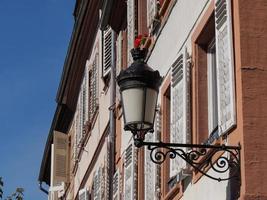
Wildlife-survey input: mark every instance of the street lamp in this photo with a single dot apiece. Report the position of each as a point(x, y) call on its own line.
point(139, 86)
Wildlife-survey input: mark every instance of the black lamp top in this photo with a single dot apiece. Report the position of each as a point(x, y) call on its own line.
point(139, 73)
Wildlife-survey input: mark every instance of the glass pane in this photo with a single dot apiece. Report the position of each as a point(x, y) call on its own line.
point(133, 104)
point(151, 101)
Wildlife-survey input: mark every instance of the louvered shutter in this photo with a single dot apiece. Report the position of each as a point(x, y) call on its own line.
point(225, 65)
point(118, 60)
point(157, 132)
point(180, 110)
point(60, 158)
point(98, 184)
point(76, 136)
point(116, 185)
point(151, 12)
point(93, 87)
point(107, 51)
point(83, 194)
point(85, 95)
point(53, 195)
point(130, 27)
point(151, 169)
point(130, 173)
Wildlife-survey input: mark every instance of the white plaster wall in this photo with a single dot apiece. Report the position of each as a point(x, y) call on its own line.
point(176, 33)
point(207, 189)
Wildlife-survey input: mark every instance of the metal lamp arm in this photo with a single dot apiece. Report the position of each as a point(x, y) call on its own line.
point(199, 156)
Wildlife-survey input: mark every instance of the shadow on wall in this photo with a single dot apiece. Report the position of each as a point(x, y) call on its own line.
point(233, 187)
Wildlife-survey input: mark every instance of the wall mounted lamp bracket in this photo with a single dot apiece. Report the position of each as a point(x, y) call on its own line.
point(201, 157)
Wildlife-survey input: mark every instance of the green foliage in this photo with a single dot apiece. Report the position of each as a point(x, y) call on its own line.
point(17, 195)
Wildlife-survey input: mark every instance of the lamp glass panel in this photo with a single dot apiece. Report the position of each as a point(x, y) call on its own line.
point(133, 101)
point(151, 101)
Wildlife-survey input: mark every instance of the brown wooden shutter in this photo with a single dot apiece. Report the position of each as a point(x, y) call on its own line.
point(60, 158)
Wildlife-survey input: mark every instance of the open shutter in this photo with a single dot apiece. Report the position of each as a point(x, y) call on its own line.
point(107, 51)
point(151, 169)
point(225, 66)
point(130, 27)
point(118, 60)
point(98, 184)
point(53, 195)
point(76, 136)
point(157, 132)
point(151, 12)
point(130, 173)
point(180, 110)
point(83, 194)
point(60, 158)
point(116, 185)
point(93, 86)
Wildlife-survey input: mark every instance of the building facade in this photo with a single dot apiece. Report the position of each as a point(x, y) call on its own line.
point(212, 56)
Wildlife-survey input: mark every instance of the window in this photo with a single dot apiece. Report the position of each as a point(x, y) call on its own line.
point(212, 89)
point(213, 94)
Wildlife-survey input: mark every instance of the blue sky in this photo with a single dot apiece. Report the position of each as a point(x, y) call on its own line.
point(34, 36)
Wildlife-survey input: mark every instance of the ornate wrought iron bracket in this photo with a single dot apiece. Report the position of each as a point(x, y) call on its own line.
point(220, 158)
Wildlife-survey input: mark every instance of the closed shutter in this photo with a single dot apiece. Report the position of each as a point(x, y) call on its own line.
point(130, 27)
point(151, 169)
point(151, 12)
point(180, 109)
point(60, 158)
point(130, 173)
point(116, 185)
point(83, 194)
point(107, 51)
point(225, 66)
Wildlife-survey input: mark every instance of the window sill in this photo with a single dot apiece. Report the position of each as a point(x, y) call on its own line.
point(175, 193)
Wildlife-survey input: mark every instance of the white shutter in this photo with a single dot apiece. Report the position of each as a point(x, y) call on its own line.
point(93, 84)
point(83, 194)
point(53, 195)
point(76, 136)
point(98, 184)
point(119, 53)
point(151, 12)
point(151, 169)
point(60, 158)
point(130, 27)
point(107, 51)
point(116, 185)
point(130, 173)
point(180, 110)
point(225, 66)
point(118, 60)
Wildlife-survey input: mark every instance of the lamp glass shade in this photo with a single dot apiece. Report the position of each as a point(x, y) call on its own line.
point(139, 105)
point(133, 100)
point(150, 107)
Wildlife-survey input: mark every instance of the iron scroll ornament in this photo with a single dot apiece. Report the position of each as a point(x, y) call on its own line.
point(200, 157)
